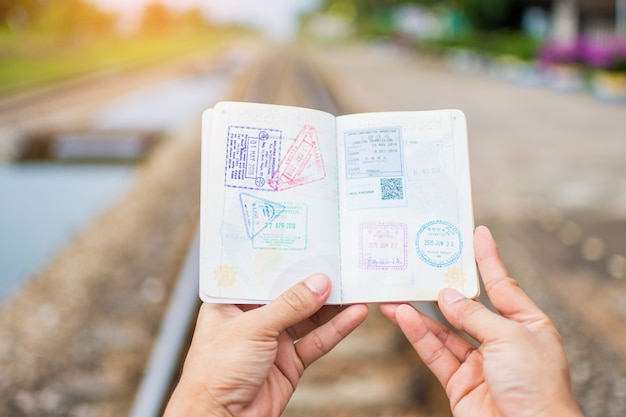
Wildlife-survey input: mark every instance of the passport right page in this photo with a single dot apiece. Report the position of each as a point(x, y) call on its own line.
point(406, 219)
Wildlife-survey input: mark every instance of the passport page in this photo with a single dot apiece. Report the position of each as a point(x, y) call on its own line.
point(268, 200)
point(405, 206)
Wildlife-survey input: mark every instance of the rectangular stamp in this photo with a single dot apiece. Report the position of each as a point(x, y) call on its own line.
point(252, 157)
point(302, 163)
point(383, 246)
point(373, 153)
point(428, 161)
point(288, 231)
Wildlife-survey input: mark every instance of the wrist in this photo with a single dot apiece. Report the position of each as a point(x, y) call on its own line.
point(569, 408)
point(193, 402)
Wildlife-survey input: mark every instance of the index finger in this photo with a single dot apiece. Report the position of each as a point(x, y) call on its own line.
point(503, 291)
point(471, 316)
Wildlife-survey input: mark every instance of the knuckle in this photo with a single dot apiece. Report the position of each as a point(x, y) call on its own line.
point(318, 343)
point(296, 301)
point(435, 355)
point(443, 334)
point(471, 311)
point(468, 311)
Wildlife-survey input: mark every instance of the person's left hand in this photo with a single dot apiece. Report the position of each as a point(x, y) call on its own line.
point(247, 361)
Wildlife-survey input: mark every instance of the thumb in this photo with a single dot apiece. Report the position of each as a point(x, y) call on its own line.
point(470, 316)
point(297, 303)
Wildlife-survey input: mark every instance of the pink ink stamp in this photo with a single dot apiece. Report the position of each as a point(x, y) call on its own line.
point(383, 246)
point(302, 163)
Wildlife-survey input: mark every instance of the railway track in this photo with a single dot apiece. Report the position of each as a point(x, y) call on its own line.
point(69, 106)
point(372, 373)
point(75, 334)
point(587, 305)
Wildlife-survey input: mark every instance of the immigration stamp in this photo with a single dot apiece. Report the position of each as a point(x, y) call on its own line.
point(252, 157)
point(258, 213)
point(383, 246)
point(373, 153)
point(302, 163)
point(439, 243)
point(289, 231)
point(374, 168)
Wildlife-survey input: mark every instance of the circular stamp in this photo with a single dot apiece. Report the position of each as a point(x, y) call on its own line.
point(263, 135)
point(439, 243)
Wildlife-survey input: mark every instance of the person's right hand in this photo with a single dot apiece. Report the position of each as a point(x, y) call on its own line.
point(519, 369)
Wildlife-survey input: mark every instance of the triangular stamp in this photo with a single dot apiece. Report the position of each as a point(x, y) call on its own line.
point(302, 163)
point(258, 213)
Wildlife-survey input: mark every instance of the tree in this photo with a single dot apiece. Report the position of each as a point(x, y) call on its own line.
point(73, 19)
point(483, 14)
point(193, 20)
point(493, 14)
point(65, 18)
point(15, 14)
point(156, 17)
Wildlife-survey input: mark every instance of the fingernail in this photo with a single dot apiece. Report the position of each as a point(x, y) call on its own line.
point(317, 283)
point(451, 296)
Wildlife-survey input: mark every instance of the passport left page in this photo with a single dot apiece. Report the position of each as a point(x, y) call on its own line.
point(269, 210)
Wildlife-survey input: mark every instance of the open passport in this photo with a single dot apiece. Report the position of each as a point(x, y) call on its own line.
point(380, 202)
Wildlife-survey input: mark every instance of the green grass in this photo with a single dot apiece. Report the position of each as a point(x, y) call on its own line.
point(492, 43)
point(32, 62)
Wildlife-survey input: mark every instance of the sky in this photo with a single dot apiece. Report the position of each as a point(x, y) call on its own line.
point(275, 17)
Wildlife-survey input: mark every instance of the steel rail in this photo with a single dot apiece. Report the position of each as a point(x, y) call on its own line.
point(171, 341)
point(162, 370)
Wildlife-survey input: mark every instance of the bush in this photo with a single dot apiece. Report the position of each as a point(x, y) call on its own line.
point(596, 54)
point(493, 43)
point(494, 14)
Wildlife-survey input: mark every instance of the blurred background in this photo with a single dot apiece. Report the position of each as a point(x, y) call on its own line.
point(100, 106)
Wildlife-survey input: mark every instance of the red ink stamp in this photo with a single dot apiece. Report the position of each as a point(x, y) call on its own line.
point(302, 164)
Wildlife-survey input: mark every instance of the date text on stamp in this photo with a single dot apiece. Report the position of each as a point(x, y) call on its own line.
point(372, 153)
point(252, 156)
point(383, 246)
point(439, 243)
point(289, 231)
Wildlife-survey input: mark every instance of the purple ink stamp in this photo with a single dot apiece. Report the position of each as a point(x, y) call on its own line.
point(383, 246)
point(252, 157)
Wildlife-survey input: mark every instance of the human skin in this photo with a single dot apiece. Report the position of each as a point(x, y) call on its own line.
point(247, 360)
point(519, 368)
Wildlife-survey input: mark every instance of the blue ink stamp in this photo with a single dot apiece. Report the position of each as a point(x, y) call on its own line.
point(439, 243)
point(288, 231)
point(258, 213)
point(252, 157)
point(383, 246)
